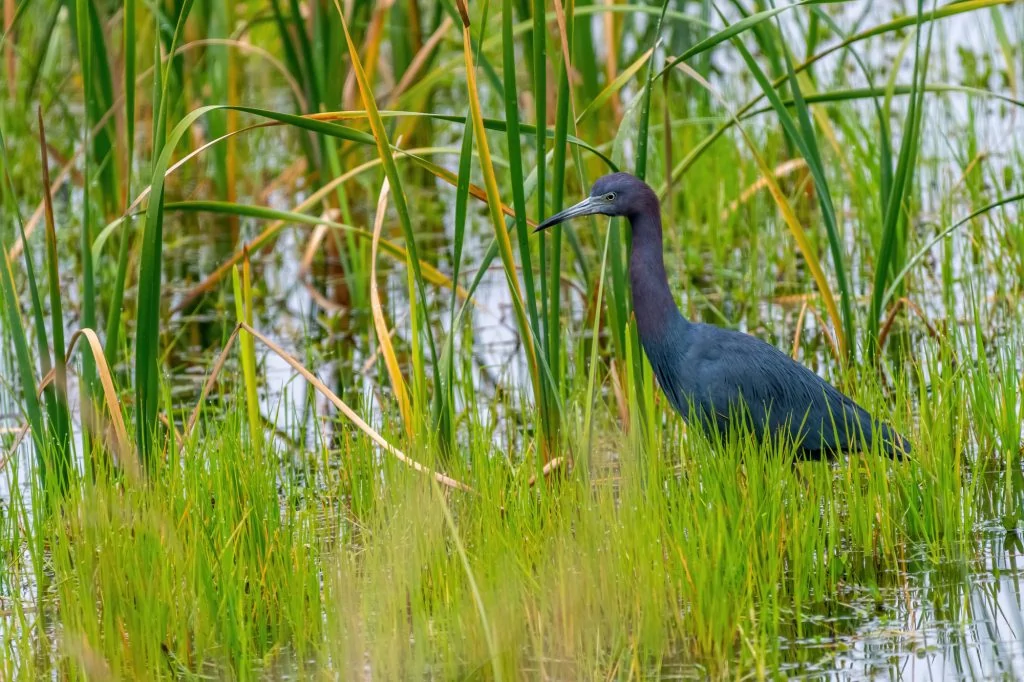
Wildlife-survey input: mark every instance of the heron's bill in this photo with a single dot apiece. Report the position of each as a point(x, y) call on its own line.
point(588, 206)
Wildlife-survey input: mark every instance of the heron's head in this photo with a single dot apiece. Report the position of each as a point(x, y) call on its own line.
point(616, 194)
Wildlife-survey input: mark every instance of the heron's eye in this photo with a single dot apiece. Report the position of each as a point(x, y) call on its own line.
point(610, 196)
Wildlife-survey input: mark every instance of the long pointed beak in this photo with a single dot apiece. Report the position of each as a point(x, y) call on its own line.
point(588, 206)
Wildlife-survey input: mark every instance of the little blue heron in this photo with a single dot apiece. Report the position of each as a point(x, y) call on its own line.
point(717, 374)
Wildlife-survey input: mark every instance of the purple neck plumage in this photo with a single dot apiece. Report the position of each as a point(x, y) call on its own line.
point(652, 299)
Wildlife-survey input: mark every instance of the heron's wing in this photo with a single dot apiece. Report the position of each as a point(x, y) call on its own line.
point(735, 371)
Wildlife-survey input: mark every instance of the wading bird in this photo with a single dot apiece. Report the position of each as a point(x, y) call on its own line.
point(715, 375)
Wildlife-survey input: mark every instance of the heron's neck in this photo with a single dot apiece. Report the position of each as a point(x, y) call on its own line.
point(652, 299)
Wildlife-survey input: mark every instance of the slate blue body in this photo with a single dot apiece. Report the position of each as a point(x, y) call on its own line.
point(712, 375)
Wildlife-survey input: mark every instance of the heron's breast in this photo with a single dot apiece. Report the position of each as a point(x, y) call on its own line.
point(667, 351)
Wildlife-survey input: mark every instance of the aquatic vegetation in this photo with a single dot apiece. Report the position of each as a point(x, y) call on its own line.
point(290, 388)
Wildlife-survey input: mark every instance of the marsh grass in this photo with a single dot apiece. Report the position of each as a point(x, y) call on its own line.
point(568, 525)
point(711, 553)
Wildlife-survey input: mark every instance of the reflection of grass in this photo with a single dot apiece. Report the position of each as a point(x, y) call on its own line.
point(818, 213)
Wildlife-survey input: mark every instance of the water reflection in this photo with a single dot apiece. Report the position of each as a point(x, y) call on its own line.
point(955, 621)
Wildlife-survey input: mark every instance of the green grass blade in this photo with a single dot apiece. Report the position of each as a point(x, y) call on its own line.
point(1006, 47)
point(590, 398)
point(46, 40)
point(461, 204)
point(57, 395)
point(291, 60)
point(16, 328)
point(854, 94)
point(902, 184)
point(515, 159)
point(305, 54)
point(540, 112)
point(247, 350)
point(41, 339)
point(645, 106)
point(552, 346)
point(884, 142)
point(99, 90)
point(147, 342)
point(159, 111)
point(88, 378)
point(444, 401)
point(128, 82)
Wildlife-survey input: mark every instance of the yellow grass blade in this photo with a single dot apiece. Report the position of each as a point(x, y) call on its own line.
point(494, 204)
point(380, 324)
point(353, 417)
point(122, 448)
point(614, 85)
point(247, 350)
point(125, 451)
